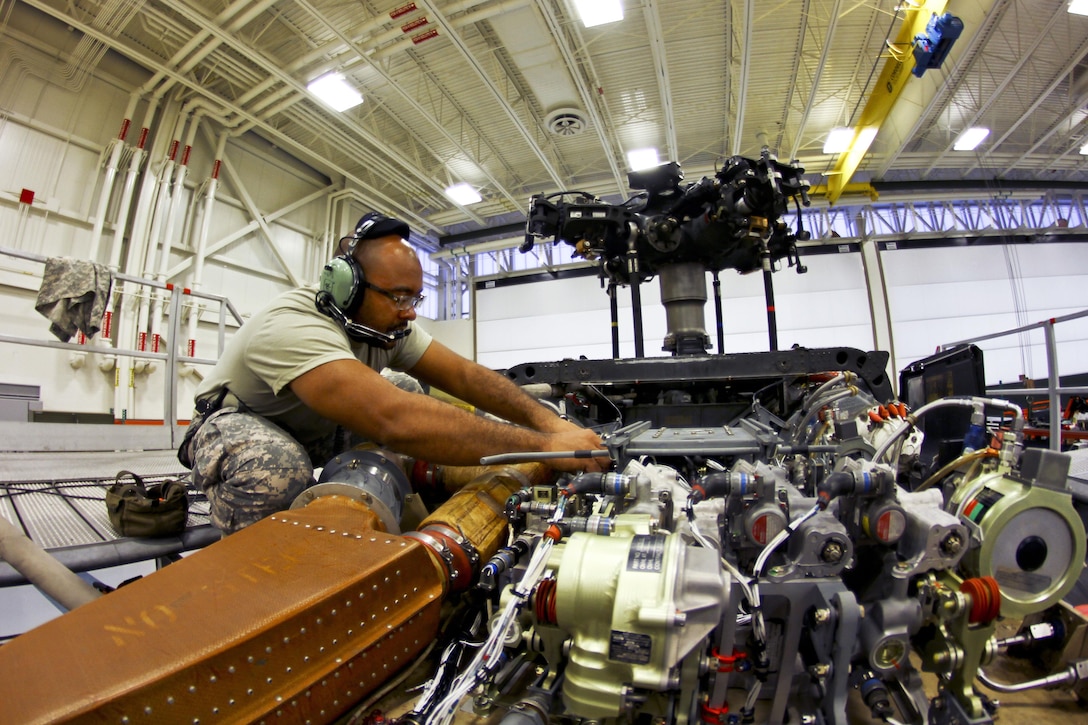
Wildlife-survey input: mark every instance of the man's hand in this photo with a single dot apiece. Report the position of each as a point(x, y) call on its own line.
point(573, 438)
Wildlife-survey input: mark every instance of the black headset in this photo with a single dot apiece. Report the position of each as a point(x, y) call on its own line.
point(343, 283)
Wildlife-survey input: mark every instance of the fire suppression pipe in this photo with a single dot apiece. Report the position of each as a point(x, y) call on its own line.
point(171, 222)
point(202, 241)
point(160, 207)
point(109, 177)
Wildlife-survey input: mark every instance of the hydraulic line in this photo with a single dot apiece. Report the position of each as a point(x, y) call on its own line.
point(966, 458)
point(522, 457)
point(941, 403)
point(1072, 674)
point(813, 411)
point(846, 377)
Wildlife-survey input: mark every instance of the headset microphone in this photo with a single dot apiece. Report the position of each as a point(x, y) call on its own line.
point(355, 331)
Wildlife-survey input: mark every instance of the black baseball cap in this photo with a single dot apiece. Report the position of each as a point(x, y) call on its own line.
point(374, 224)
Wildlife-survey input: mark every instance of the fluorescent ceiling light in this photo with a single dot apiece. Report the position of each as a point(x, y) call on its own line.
point(1084, 150)
point(1078, 7)
point(599, 12)
point(838, 140)
point(335, 91)
point(463, 194)
point(640, 159)
point(841, 139)
point(970, 138)
point(865, 137)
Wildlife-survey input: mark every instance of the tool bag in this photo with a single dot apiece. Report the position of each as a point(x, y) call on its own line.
point(160, 509)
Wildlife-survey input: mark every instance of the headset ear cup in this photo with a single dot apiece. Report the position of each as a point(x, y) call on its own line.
point(343, 279)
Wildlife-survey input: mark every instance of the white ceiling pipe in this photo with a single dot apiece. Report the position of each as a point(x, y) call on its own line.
point(597, 110)
point(299, 150)
point(496, 94)
point(131, 311)
point(161, 205)
point(197, 278)
point(362, 56)
point(742, 87)
point(656, 36)
point(267, 66)
point(1077, 113)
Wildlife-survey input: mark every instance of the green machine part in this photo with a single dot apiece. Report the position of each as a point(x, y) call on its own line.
point(635, 604)
point(1025, 532)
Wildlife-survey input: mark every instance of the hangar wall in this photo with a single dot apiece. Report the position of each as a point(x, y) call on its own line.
point(56, 136)
point(935, 295)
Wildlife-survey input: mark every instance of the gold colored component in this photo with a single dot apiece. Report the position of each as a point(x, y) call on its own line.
point(476, 511)
point(301, 614)
point(454, 478)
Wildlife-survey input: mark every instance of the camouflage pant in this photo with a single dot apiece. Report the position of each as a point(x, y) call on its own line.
point(248, 467)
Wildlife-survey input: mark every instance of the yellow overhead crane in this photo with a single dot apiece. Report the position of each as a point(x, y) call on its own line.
point(893, 78)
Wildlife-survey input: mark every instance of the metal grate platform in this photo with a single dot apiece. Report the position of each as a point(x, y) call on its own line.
point(58, 501)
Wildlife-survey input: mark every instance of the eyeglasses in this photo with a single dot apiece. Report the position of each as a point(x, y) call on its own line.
point(401, 302)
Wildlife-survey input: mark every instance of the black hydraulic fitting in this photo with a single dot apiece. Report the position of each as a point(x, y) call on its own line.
point(514, 502)
point(502, 560)
point(709, 486)
point(608, 484)
point(834, 485)
point(874, 693)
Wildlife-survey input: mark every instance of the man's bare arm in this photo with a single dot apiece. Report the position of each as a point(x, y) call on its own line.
point(420, 426)
point(484, 388)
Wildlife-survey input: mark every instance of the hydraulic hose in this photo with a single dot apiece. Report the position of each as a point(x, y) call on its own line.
point(608, 484)
point(847, 392)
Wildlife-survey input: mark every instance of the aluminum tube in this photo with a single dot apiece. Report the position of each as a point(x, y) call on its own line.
point(117, 553)
point(524, 456)
point(1064, 677)
point(42, 570)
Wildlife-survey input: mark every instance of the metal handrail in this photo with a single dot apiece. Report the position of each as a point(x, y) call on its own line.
point(172, 358)
point(1053, 388)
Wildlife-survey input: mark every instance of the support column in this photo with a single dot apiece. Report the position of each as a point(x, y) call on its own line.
point(877, 291)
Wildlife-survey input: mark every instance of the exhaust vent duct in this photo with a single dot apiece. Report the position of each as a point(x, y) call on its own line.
point(566, 122)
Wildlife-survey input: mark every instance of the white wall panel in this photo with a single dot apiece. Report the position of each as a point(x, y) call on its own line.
point(82, 390)
point(51, 141)
point(566, 318)
point(940, 296)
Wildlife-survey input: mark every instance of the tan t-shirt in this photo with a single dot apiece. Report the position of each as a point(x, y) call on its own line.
point(287, 338)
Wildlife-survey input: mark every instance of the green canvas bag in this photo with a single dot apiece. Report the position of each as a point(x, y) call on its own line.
point(160, 509)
